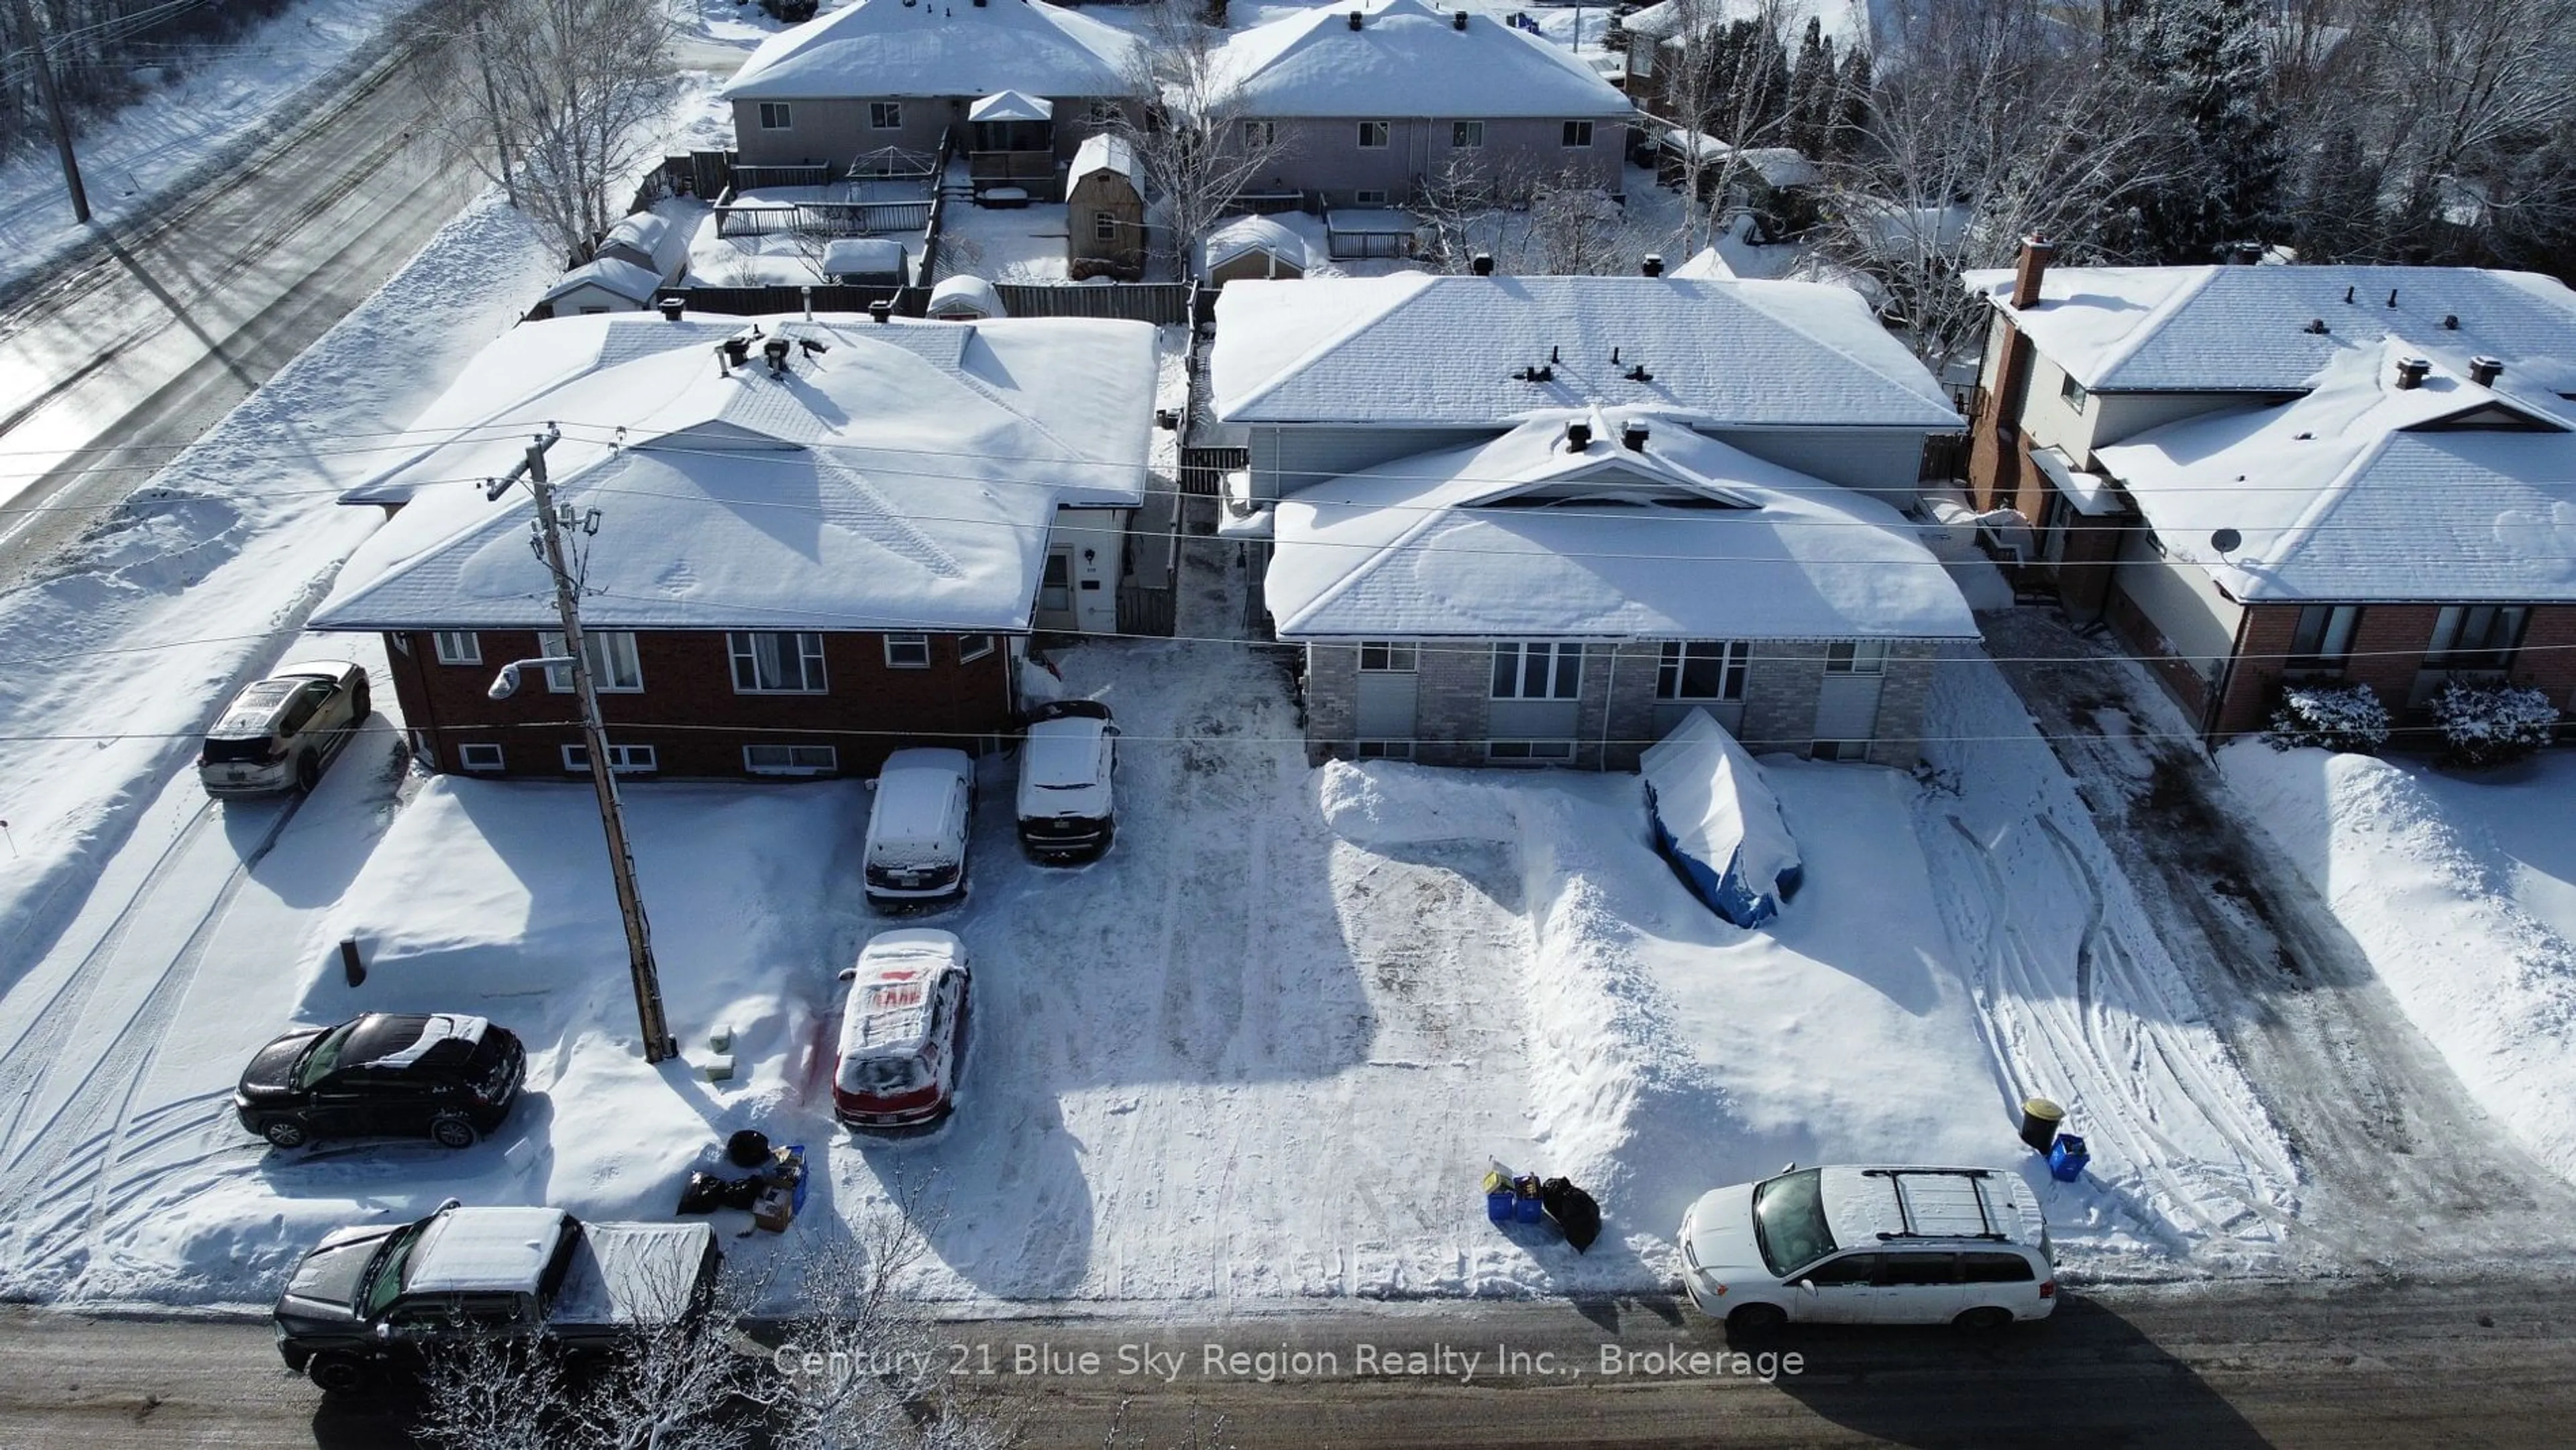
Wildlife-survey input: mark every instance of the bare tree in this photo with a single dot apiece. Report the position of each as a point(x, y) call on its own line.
point(1199, 145)
point(558, 100)
point(1718, 75)
point(494, 1393)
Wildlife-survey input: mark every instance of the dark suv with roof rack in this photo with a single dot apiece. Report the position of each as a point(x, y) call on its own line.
point(438, 1075)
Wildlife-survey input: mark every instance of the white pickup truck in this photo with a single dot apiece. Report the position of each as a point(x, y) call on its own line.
point(372, 1303)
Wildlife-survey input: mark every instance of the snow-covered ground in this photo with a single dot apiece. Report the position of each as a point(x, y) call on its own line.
point(2462, 891)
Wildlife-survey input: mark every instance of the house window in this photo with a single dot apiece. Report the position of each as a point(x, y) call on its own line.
point(2323, 640)
point(1578, 133)
point(622, 759)
point(774, 116)
point(478, 757)
point(1466, 135)
point(1856, 657)
point(1383, 750)
point(1839, 750)
point(1368, 198)
point(1104, 227)
point(885, 115)
point(1527, 751)
point(790, 760)
point(1055, 586)
point(458, 647)
point(1260, 133)
point(1374, 135)
point(613, 666)
point(2476, 636)
point(973, 647)
point(907, 651)
point(774, 663)
point(1386, 655)
point(1537, 670)
point(1702, 669)
point(2072, 391)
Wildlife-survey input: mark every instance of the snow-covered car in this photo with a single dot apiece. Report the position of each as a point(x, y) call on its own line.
point(278, 734)
point(903, 1035)
point(368, 1305)
point(1883, 1245)
point(1067, 770)
point(448, 1077)
point(917, 828)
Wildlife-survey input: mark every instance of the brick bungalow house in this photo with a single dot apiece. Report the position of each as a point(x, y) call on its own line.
point(1568, 592)
point(799, 556)
point(2355, 437)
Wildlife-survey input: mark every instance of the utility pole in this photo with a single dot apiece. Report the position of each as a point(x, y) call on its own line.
point(26, 22)
point(658, 1042)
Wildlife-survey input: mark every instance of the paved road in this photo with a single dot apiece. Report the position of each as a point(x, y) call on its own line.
point(2395, 1363)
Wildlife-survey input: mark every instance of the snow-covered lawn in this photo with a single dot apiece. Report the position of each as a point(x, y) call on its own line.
point(2462, 891)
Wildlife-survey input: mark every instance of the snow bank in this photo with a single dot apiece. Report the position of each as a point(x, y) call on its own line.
point(2412, 871)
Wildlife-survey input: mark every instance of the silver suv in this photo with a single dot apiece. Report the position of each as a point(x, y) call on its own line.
point(279, 733)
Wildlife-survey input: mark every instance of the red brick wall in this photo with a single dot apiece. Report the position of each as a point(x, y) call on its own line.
point(2388, 650)
point(689, 712)
point(1996, 460)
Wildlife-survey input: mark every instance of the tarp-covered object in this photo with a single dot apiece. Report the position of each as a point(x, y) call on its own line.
point(1719, 824)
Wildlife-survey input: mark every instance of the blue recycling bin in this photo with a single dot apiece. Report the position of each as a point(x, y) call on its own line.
point(1499, 1205)
point(1530, 1210)
point(2066, 1158)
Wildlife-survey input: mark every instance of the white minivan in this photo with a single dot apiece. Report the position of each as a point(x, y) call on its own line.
point(1964, 1246)
point(917, 829)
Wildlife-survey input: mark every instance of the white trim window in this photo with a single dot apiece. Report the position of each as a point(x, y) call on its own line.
point(776, 116)
point(885, 115)
point(1260, 133)
point(457, 646)
point(479, 757)
point(973, 647)
point(1104, 226)
point(907, 651)
point(2072, 392)
point(1538, 670)
point(1856, 657)
point(790, 760)
point(622, 759)
point(1368, 198)
point(1529, 752)
point(614, 668)
point(1466, 135)
point(1375, 135)
point(1702, 669)
point(1388, 656)
point(775, 662)
point(1578, 135)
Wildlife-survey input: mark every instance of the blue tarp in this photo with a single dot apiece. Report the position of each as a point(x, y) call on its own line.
point(1718, 823)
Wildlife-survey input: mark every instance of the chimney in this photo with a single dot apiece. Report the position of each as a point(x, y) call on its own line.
point(2036, 253)
point(2483, 371)
point(672, 305)
point(2411, 372)
point(1633, 437)
point(1458, 21)
point(1355, 20)
point(1653, 265)
point(1578, 437)
point(1482, 264)
point(880, 311)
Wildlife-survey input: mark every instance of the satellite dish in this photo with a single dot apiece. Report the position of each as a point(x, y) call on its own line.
point(2225, 540)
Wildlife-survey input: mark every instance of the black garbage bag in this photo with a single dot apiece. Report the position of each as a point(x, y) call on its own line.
point(704, 1193)
point(744, 1192)
point(1573, 1210)
point(748, 1149)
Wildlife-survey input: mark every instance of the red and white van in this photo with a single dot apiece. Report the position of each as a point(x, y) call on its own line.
point(903, 1035)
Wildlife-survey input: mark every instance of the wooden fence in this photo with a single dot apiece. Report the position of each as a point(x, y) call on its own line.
point(1164, 304)
point(821, 296)
point(1143, 610)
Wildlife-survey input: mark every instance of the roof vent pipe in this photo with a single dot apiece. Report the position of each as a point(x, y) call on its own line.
point(672, 305)
point(1355, 20)
point(1458, 21)
point(1653, 265)
point(737, 348)
point(1578, 436)
point(880, 311)
point(775, 351)
point(2411, 372)
point(1482, 264)
point(2347, 296)
point(2392, 296)
point(1634, 437)
point(2483, 371)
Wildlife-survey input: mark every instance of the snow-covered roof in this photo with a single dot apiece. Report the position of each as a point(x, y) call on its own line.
point(1525, 535)
point(863, 257)
point(613, 275)
point(1776, 165)
point(1419, 349)
point(904, 478)
point(2247, 329)
point(939, 48)
point(1247, 234)
point(2365, 490)
point(641, 232)
point(965, 295)
point(1705, 265)
point(468, 1249)
point(1107, 153)
point(1406, 59)
point(1011, 106)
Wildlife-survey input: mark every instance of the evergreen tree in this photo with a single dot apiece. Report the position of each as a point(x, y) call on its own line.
point(2222, 163)
point(1851, 112)
point(1811, 91)
point(2339, 209)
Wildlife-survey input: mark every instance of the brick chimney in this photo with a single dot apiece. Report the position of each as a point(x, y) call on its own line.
point(2036, 253)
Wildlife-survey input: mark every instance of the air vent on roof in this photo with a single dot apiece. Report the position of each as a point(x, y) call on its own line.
point(2316, 325)
point(2411, 372)
point(1458, 21)
point(2450, 322)
point(1578, 437)
point(2483, 371)
point(1482, 264)
point(775, 351)
point(880, 311)
point(1540, 374)
point(1355, 20)
point(1634, 437)
point(1653, 265)
point(2347, 295)
point(2392, 296)
point(672, 305)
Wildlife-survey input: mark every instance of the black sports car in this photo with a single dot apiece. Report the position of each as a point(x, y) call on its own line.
point(438, 1074)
